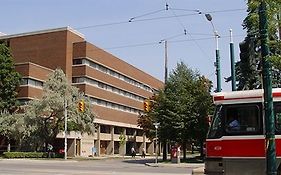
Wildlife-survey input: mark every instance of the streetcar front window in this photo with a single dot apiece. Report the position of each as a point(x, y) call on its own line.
point(215, 130)
point(242, 119)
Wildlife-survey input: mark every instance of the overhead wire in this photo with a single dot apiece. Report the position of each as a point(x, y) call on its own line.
point(196, 12)
point(187, 32)
point(146, 14)
point(176, 16)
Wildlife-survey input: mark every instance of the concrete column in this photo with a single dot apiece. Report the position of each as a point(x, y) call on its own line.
point(143, 144)
point(97, 142)
point(110, 147)
point(122, 148)
point(150, 148)
point(135, 138)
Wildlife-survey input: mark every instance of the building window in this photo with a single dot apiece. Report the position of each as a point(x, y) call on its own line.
point(118, 130)
point(112, 73)
point(31, 82)
point(77, 61)
point(105, 129)
point(130, 131)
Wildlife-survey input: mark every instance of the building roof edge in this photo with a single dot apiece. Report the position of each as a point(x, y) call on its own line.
point(42, 32)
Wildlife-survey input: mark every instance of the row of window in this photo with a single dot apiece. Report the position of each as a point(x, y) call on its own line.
point(36, 83)
point(114, 106)
point(31, 82)
point(112, 73)
point(107, 87)
point(119, 130)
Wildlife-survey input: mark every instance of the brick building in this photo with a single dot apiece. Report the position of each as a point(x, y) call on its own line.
point(116, 89)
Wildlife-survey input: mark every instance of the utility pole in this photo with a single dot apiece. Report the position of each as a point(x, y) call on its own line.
point(268, 101)
point(166, 61)
point(65, 129)
point(233, 74)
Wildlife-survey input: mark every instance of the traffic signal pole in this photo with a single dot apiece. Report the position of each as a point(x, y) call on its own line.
point(268, 99)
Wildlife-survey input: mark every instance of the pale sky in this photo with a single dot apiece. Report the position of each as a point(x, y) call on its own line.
point(137, 42)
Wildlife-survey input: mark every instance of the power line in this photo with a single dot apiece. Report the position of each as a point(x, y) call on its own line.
point(156, 18)
point(172, 41)
point(186, 31)
point(146, 14)
point(101, 25)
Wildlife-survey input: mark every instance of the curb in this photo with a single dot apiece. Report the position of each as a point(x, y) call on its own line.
point(181, 165)
point(198, 171)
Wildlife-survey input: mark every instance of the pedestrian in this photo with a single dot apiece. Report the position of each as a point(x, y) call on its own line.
point(50, 150)
point(143, 152)
point(133, 152)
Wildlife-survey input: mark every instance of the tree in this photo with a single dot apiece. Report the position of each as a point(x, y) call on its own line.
point(9, 80)
point(203, 107)
point(13, 127)
point(181, 108)
point(248, 68)
point(46, 115)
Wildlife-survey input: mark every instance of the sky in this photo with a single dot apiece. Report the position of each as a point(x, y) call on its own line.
point(105, 23)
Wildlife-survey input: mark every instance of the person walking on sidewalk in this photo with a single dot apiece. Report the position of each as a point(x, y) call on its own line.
point(133, 152)
point(143, 152)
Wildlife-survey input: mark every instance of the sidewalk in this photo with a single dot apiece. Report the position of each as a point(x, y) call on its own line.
point(197, 168)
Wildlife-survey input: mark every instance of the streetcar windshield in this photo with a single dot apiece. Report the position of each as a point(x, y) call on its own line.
point(215, 130)
point(236, 119)
point(242, 119)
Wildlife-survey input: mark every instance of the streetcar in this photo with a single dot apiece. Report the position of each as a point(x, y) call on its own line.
point(235, 141)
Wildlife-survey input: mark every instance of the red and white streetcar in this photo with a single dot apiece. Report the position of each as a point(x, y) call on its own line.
point(235, 142)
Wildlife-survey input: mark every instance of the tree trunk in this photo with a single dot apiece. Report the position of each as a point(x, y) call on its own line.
point(164, 150)
point(184, 150)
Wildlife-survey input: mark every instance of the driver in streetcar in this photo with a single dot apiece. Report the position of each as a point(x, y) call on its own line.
point(234, 124)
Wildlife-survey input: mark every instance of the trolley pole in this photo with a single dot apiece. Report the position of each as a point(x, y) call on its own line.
point(268, 100)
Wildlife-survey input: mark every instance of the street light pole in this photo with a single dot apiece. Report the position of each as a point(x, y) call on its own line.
point(156, 127)
point(217, 63)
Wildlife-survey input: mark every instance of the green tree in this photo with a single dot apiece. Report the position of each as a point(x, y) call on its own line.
point(249, 67)
point(181, 108)
point(9, 80)
point(13, 127)
point(203, 107)
point(46, 115)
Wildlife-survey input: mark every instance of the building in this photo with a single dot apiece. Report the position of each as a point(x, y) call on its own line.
point(116, 88)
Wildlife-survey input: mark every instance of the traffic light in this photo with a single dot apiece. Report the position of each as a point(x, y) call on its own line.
point(81, 106)
point(146, 105)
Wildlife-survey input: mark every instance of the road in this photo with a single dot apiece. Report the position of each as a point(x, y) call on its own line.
point(86, 167)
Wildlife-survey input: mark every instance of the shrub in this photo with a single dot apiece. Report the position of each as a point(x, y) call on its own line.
point(12, 155)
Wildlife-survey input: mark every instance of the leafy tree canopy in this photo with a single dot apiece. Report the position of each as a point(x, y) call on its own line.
point(181, 107)
point(9, 80)
point(46, 115)
point(248, 69)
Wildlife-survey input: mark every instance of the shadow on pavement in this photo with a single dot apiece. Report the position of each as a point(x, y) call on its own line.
point(140, 161)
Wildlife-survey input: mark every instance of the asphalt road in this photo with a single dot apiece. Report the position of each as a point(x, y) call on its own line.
point(86, 167)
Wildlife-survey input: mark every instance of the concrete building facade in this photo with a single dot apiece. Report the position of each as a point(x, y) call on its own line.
point(115, 88)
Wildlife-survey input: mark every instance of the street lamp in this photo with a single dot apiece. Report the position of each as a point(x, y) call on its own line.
point(217, 63)
point(156, 124)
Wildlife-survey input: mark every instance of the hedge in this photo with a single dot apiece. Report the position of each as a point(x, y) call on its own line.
point(11, 155)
